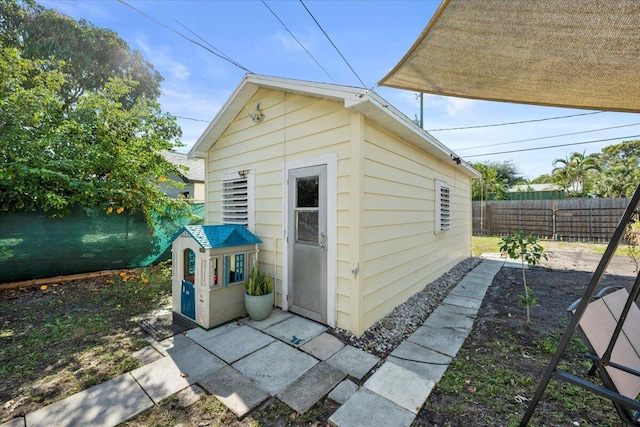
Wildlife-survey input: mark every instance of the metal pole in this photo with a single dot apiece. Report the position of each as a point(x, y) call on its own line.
point(421, 110)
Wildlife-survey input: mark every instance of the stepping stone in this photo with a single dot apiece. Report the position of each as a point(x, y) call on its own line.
point(353, 361)
point(343, 391)
point(147, 354)
point(200, 335)
point(172, 344)
point(107, 404)
point(443, 340)
point(471, 288)
point(295, 330)
point(428, 371)
point(368, 409)
point(178, 371)
point(275, 366)
point(276, 316)
point(189, 396)
point(234, 390)
point(323, 346)
point(443, 317)
point(312, 386)
point(400, 386)
point(16, 422)
point(411, 351)
point(463, 302)
point(236, 344)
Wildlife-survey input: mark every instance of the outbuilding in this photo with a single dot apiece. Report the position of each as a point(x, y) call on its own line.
point(357, 207)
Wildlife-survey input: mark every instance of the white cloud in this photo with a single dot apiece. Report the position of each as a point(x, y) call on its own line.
point(163, 62)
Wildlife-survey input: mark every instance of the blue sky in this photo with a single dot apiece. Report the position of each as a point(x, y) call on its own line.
point(372, 35)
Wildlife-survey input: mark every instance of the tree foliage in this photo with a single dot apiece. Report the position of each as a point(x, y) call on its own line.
point(497, 177)
point(620, 170)
point(80, 123)
point(573, 173)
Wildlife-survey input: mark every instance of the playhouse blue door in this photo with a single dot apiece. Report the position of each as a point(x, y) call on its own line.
point(188, 300)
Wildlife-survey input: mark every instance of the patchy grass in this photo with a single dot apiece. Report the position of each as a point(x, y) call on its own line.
point(62, 338)
point(482, 244)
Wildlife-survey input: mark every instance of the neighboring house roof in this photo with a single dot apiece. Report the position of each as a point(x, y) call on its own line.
point(355, 99)
point(219, 236)
point(534, 187)
point(196, 166)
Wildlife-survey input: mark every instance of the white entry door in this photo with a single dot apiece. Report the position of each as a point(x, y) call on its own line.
point(307, 242)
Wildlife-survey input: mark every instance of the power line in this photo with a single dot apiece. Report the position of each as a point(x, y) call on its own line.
point(184, 36)
point(516, 123)
point(546, 137)
point(333, 44)
point(227, 57)
point(552, 146)
point(298, 41)
point(192, 119)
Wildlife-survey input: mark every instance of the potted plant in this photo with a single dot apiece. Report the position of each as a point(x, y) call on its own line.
point(258, 299)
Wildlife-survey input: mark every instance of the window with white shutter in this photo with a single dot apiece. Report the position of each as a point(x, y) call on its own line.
point(237, 199)
point(443, 207)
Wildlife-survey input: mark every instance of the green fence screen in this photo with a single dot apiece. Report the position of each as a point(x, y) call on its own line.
point(84, 241)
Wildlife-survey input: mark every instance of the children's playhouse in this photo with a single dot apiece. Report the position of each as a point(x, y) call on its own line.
point(211, 264)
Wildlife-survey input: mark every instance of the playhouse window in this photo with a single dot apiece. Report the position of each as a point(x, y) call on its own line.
point(189, 263)
point(237, 199)
point(235, 266)
point(213, 271)
point(443, 207)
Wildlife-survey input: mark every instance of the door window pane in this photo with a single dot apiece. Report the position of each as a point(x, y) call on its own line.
point(307, 190)
point(307, 226)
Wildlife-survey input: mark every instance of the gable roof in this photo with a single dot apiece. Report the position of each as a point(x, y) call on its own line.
point(196, 166)
point(219, 236)
point(355, 99)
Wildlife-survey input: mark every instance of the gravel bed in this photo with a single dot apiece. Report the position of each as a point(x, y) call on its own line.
point(387, 333)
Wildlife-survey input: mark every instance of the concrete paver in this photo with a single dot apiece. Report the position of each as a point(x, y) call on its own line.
point(172, 344)
point(189, 395)
point(234, 390)
point(353, 361)
point(428, 371)
point(147, 354)
point(199, 335)
point(323, 346)
point(16, 422)
point(275, 366)
point(472, 288)
point(446, 317)
point(171, 374)
point(368, 409)
point(446, 341)
point(343, 391)
point(296, 330)
point(312, 386)
point(411, 351)
point(400, 386)
point(107, 404)
point(236, 344)
point(276, 316)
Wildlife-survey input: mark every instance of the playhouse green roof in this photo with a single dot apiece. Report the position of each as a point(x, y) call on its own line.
point(219, 236)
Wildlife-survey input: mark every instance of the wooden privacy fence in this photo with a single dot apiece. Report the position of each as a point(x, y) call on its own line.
point(569, 219)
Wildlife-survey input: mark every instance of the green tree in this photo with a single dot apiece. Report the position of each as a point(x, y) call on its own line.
point(573, 172)
point(619, 169)
point(72, 130)
point(497, 177)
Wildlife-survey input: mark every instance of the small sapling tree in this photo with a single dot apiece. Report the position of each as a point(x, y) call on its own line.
point(525, 247)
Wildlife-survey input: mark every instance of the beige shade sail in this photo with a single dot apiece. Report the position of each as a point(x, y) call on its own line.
point(567, 53)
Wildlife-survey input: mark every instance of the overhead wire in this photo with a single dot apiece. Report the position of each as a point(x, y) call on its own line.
point(173, 30)
point(546, 137)
point(298, 41)
point(552, 146)
point(332, 43)
point(192, 119)
point(516, 123)
point(228, 58)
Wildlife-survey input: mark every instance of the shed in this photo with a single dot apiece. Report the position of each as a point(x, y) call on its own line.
point(211, 264)
point(358, 208)
point(192, 179)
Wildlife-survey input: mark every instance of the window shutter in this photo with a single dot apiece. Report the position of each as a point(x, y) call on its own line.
point(235, 201)
point(443, 207)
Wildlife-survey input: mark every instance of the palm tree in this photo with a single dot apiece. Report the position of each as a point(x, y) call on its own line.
point(573, 170)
